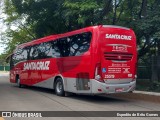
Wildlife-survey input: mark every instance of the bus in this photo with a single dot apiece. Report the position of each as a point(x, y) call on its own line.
point(93, 60)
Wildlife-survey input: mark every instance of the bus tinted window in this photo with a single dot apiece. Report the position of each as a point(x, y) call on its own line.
point(34, 52)
point(64, 46)
point(80, 43)
point(45, 50)
point(55, 49)
point(20, 54)
point(68, 46)
point(41, 51)
point(71, 46)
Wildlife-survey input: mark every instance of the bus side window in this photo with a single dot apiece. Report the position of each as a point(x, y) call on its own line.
point(80, 43)
point(23, 55)
point(64, 46)
point(18, 56)
point(11, 62)
point(48, 50)
point(55, 49)
point(27, 49)
point(41, 51)
point(34, 52)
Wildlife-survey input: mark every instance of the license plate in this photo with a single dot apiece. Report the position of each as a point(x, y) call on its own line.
point(119, 89)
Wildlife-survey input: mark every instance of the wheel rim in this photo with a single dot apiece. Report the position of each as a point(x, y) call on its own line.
point(59, 87)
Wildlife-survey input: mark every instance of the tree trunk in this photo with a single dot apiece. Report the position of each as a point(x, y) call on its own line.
point(158, 67)
point(105, 10)
point(158, 60)
point(143, 10)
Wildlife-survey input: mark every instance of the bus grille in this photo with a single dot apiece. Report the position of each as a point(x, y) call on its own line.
point(118, 56)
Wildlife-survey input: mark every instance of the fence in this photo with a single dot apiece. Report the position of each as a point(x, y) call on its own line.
point(4, 68)
point(148, 74)
point(144, 72)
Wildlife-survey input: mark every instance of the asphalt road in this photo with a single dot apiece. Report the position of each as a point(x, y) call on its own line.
point(13, 98)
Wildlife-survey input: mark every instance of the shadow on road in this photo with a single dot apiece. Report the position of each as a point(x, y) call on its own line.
point(90, 98)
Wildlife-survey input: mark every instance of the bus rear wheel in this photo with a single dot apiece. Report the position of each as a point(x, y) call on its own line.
point(19, 82)
point(59, 89)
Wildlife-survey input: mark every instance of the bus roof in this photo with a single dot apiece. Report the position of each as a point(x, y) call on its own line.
point(53, 37)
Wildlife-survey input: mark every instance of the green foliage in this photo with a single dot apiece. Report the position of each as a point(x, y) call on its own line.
point(82, 12)
point(38, 18)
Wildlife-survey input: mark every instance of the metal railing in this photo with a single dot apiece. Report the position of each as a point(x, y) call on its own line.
point(4, 68)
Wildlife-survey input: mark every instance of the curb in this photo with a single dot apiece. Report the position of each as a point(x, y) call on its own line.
point(140, 95)
point(147, 93)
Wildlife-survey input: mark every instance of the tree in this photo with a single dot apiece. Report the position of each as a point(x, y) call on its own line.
point(37, 18)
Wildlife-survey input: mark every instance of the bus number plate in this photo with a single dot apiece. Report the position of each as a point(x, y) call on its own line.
point(119, 89)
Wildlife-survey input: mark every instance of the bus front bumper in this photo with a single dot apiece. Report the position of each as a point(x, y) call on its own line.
point(103, 88)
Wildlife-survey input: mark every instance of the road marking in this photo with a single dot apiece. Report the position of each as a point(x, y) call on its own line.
point(1, 118)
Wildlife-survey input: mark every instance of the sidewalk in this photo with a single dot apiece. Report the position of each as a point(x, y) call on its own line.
point(147, 93)
point(4, 73)
point(140, 95)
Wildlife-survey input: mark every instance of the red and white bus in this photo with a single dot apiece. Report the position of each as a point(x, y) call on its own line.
point(94, 60)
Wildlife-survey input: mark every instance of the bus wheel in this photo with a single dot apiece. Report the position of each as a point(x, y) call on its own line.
point(59, 89)
point(18, 83)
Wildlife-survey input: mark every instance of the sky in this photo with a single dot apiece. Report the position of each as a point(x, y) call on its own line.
point(2, 27)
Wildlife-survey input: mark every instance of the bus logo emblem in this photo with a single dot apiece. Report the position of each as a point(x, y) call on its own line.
point(119, 57)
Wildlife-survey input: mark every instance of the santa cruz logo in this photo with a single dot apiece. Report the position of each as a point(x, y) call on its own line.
point(120, 37)
point(37, 65)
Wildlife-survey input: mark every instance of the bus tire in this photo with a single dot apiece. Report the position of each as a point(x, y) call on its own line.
point(19, 82)
point(59, 88)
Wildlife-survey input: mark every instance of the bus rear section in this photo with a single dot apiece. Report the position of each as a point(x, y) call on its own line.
point(115, 70)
